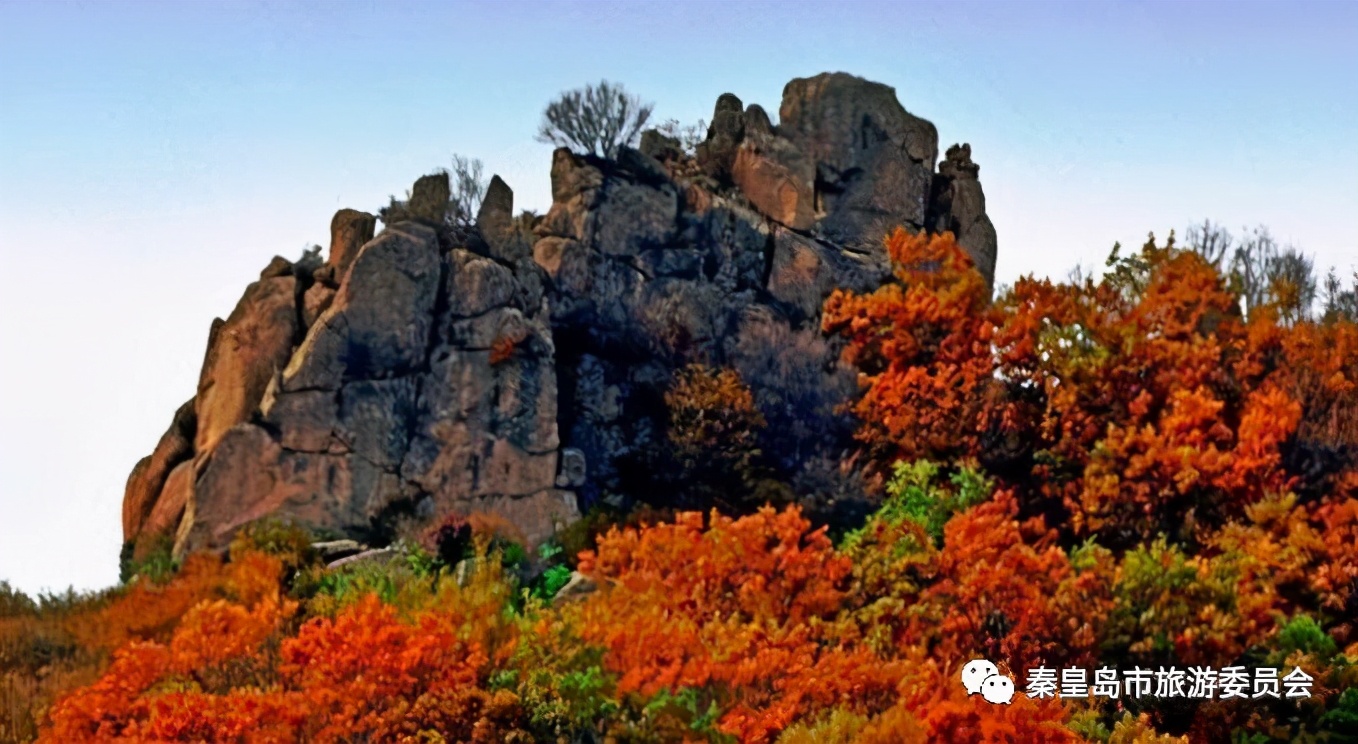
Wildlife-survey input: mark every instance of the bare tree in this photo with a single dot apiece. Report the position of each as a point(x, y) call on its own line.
point(1266, 274)
point(1211, 241)
point(596, 119)
point(1340, 304)
point(1292, 285)
point(467, 190)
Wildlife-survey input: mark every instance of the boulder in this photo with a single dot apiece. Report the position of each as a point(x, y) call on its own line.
point(573, 470)
point(315, 301)
point(277, 267)
point(382, 317)
point(495, 223)
point(874, 161)
point(240, 484)
point(392, 404)
point(757, 122)
point(374, 555)
point(578, 587)
point(632, 218)
point(350, 230)
point(548, 253)
point(148, 478)
point(804, 271)
point(958, 206)
point(724, 134)
point(576, 184)
point(332, 550)
point(659, 146)
point(429, 199)
point(777, 181)
point(164, 519)
point(497, 206)
point(246, 351)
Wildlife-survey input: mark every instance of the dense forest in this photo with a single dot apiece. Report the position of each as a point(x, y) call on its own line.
point(1152, 473)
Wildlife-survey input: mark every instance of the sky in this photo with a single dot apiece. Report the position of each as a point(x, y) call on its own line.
point(154, 156)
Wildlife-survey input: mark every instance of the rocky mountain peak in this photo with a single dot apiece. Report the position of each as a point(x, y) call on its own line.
point(520, 367)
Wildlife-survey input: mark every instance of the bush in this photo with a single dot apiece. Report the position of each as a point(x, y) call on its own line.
point(14, 602)
point(288, 542)
point(156, 565)
point(594, 119)
point(714, 428)
point(916, 492)
point(449, 539)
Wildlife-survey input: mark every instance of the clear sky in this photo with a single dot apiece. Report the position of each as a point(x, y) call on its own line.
point(154, 156)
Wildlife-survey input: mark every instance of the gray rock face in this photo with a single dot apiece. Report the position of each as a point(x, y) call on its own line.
point(429, 199)
point(520, 368)
point(349, 408)
point(648, 276)
point(874, 161)
point(959, 206)
point(723, 136)
point(495, 223)
point(651, 272)
point(847, 164)
point(393, 404)
point(659, 146)
point(573, 468)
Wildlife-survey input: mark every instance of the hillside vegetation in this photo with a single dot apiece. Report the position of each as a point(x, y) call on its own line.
point(1139, 472)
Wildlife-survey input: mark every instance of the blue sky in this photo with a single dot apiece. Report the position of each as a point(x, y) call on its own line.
point(154, 156)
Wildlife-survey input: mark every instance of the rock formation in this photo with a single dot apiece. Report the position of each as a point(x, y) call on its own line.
point(521, 369)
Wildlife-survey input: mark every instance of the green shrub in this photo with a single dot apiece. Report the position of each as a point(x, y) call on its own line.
point(550, 582)
point(916, 493)
point(1301, 633)
point(157, 566)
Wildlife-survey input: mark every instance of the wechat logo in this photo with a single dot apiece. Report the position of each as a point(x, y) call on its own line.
point(983, 678)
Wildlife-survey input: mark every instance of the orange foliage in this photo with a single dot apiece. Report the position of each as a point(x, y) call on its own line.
point(213, 633)
point(945, 710)
point(362, 674)
point(736, 607)
point(367, 674)
point(106, 709)
point(1137, 406)
point(502, 349)
point(1001, 597)
point(922, 346)
point(712, 412)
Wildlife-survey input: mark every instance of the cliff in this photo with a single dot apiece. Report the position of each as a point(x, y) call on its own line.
point(519, 367)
